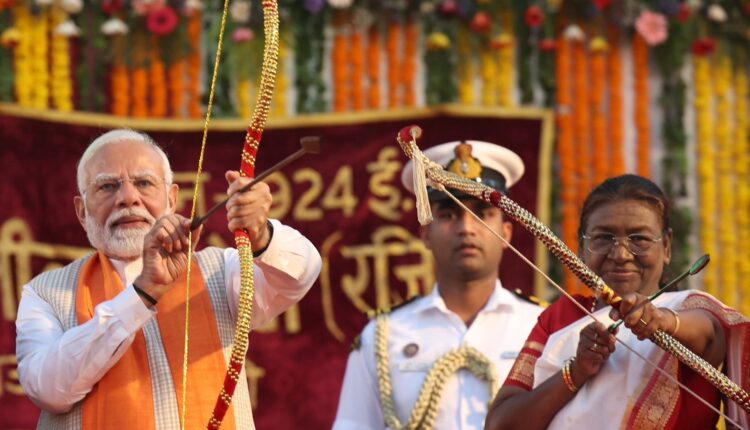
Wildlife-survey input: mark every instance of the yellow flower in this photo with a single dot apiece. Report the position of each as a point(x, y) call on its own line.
point(438, 41)
point(10, 37)
point(599, 44)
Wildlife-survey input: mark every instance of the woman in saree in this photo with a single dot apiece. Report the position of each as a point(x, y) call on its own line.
point(571, 374)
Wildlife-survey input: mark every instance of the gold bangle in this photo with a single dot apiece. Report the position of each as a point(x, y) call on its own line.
point(566, 374)
point(676, 320)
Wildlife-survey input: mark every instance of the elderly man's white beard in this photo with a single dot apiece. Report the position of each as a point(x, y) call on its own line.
point(119, 243)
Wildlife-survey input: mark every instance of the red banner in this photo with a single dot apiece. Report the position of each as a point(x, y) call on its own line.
point(348, 201)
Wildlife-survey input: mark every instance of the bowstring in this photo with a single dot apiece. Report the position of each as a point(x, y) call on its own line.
point(442, 188)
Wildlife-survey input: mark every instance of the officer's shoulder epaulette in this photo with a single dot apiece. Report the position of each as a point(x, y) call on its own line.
point(388, 309)
point(529, 298)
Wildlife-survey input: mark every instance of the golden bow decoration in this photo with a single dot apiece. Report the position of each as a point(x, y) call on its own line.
point(241, 237)
point(407, 140)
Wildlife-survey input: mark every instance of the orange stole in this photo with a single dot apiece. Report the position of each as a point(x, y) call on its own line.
point(123, 397)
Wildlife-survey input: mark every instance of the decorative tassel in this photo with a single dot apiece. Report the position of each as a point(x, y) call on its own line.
point(424, 214)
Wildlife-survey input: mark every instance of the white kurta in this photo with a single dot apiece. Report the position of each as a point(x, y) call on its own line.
point(499, 331)
point(58, 368)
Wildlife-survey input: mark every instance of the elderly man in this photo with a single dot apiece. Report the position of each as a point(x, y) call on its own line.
point(100, 341)
point(438, 360)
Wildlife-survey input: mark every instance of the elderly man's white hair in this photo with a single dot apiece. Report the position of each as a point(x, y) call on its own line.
point(119, 135)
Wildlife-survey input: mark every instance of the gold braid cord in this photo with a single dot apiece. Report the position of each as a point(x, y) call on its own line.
point(242, 239)
point(407, 140)
point(426, 408)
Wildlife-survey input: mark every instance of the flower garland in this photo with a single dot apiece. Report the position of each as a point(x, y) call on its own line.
point(392, 44)
point(179, 89)
point(40, 60)
point(742, 175)
point(341, 66)
point(120, 82)
point(727, 228)
point(409, 64)
point(194, 107)
point(642, 100)
point(489, 75)
point(601, 153)
point(582, 135)
point(158, 85)
point(373, 67)
point(243, 92)
point(706, 166)
point(61, 84)
point(566, 153)
point(505, 69)
point(616, 103)
point(22, 55)
point(466, 68)
point(139, 88)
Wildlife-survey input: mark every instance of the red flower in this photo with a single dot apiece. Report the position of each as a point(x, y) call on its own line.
point(602, 4)
point(481, 22)
point(548, 45)
point(111, 7)
point(704, 46)
point(7, 4)
point(163, 21)
point(534, 16)
point(683, 14)
point(449, 7)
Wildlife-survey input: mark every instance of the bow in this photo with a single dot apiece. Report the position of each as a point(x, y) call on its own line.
point(407, 140)
point(247, 168)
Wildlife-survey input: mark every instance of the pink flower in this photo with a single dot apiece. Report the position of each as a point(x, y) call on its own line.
point(652, 27)
point(242, 34)
point(163, 21)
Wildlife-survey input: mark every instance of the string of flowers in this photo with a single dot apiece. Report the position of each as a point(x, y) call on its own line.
point(243, 92)
point(616, 115)
point(489, 75)
point(505, 47)
point(139, 88)
point(22, 56)
point(641, 105)
point(194, 31)
point(373, 67)
point(742, 175)
point(40, 60)
point(582, 126)
point(61, 83)
point(706, 166)
point(727, 228)
point(358, 70)
point(393, 41)
point(158, 84)
point(179, 89)
point(120, 81)
point(409, 75)
point(601, 155)
point(341, 67)
point(466, 72)
point(566, 154)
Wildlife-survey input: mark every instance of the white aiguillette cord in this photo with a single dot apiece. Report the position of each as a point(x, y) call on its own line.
point(538, 270)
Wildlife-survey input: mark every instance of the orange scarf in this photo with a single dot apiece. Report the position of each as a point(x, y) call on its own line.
point(123, 397)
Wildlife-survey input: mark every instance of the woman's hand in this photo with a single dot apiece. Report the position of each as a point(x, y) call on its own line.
point(642, 317)
point(594, 347)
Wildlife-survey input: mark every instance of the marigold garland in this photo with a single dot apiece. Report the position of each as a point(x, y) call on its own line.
point(489, 75)
point(373, 68)
point(641, 105)
point(505, 71)
point(409, 64)
point(139, 88)
point(22, 57)
point(393, 41)
point(61, 83)
point(194, 106)
point(158, 85)
point(706, 167)
point(466, 68)
point(566, 153)
point(341, 68)
point(179, 88)
point(727, 228)
point(616, 103)
point(600, 145)
point(243, 93)
point(40, 60)
point(581, 116)
point(120, 82)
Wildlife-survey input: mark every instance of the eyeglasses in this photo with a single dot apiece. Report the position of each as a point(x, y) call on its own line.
point(637, 244)
point(105, 188)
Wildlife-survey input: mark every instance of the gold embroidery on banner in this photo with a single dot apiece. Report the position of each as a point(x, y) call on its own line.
point(523, 369)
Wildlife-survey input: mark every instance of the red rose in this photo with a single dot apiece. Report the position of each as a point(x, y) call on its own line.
point(548, 45)
point(162, 21)
point(683, 14)
point(534, 16)
point(481, 22)
point(704, 46)
point(602, 4)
